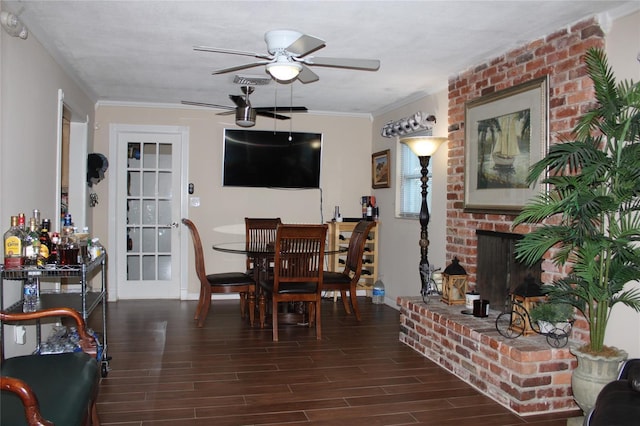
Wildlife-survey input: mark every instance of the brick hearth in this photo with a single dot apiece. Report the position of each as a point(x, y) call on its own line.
point(525, 374)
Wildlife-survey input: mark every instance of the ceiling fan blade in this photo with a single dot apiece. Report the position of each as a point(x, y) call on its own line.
point(239, 67)
point(271, 114)
point(238, 100)
point(284, 109)
point(307, 76)
point(357, 64)
point(305, 45)
point(232, 52)
point(207, 105)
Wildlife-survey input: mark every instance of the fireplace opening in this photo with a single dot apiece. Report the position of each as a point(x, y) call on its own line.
point(498, 273)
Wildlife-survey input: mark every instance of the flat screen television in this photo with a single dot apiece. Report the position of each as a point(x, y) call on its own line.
point(263, 158)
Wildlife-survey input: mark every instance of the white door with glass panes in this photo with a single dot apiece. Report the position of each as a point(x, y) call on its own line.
point(148, 209)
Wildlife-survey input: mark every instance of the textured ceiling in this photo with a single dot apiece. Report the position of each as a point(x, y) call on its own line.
point(142, 51)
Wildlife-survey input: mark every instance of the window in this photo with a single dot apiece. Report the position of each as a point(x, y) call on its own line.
point(410, 188)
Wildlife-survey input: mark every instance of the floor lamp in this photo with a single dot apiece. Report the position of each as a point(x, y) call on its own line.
point(423, 147)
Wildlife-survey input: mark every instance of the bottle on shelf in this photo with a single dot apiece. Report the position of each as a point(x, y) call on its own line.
point(36, 216)
point(377, 294)
point(371, 206)
point(55, 243)
point(364, 202)
point(45, 240)
point(22, 222)
point(31, 294)
point(31, 246)
point(67, 228)
point(13, 245)
point(68, 249)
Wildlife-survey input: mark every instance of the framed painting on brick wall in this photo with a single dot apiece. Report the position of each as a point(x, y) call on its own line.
point(506, 132)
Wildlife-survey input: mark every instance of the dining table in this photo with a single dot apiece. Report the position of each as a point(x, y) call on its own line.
point(262, 254)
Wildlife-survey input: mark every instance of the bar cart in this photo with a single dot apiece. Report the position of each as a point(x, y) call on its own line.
point(84, 301)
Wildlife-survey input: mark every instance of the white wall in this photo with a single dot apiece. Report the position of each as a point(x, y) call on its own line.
point(345, 175)
point(30, 80)
point(623, 48)
point(399, 238)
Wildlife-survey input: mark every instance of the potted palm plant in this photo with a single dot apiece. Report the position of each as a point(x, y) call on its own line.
point(588, 217)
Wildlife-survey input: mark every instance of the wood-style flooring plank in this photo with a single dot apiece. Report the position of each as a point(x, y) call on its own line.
point(167, 371)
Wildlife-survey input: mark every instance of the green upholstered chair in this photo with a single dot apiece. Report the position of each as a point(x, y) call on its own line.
point(56, 389)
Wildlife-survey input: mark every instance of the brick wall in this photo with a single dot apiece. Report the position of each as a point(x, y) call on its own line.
point(558, 55)
point(525, 374)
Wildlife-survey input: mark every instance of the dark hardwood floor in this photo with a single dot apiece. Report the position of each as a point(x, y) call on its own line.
point(166, 371)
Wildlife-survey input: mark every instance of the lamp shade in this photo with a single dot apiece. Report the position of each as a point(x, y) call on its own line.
point(423, 146)
point(283, 70)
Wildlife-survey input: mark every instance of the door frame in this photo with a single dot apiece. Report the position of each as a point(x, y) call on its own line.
point(115, 130)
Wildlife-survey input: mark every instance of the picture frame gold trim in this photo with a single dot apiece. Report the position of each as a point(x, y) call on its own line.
point(381, 169)
point(506, 132)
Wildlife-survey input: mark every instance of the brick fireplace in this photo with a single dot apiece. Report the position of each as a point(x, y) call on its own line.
point(525, 374)
point(560, 57)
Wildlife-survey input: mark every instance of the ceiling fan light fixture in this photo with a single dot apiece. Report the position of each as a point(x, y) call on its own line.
point(245, 116)
point(283, 69)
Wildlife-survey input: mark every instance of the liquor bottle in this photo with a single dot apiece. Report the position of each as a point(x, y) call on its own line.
point(67, 228)
point(13, 245)
point(22, 222)
point(31, 246)
point(36, 216)
point(369, 210)
point(364, 203)
point(67, 248)
point(53, 255)
point(45, 240)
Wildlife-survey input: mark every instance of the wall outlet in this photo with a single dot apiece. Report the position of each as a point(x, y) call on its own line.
point(20, 334)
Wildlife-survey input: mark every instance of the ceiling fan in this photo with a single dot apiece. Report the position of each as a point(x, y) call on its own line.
point(287, 58)
point(245, 113)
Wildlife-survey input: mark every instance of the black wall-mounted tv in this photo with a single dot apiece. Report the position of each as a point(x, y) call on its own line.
point(263, 158)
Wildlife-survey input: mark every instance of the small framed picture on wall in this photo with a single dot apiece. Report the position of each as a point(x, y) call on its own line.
point(381, 169)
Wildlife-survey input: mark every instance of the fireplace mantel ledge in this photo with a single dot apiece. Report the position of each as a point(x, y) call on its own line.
point(525, 374)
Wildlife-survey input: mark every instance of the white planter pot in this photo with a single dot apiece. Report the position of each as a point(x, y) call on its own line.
point(591, 375)
point(559, 328)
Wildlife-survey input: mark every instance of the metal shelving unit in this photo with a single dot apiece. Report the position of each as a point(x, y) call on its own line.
point(84, 301)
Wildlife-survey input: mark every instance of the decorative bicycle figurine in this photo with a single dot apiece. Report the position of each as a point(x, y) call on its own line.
point(515, 320)
point(429, 287)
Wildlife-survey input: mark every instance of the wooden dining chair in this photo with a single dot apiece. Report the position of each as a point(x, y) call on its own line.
point(347, 280)
point(297, 272)
point(259, 233)
point(223, 282)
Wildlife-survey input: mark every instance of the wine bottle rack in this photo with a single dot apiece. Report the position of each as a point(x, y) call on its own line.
point(339, 237)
